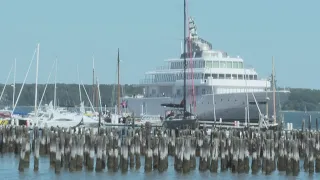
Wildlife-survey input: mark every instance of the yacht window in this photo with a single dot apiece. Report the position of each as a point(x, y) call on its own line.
point(203, 91)
point(240, 76)
point(251, 77)
point(255, 77)
point(235, 64)
point(208, 64)
point(198, 76)
point(229, 64)
point(246, 76)
point(178, 92)
point(234, 76)
point(240, 65)
point(206, 76)
point(201, 63)
point(221, 76)
point(223, 64)
point(189, 75)
point(215, 64)
point(215, 76)
point(228, 76)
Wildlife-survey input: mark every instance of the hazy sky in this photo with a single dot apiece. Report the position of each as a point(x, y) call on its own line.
point(149, 31)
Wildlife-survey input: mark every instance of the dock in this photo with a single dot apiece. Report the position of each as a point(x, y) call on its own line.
point(113, 149)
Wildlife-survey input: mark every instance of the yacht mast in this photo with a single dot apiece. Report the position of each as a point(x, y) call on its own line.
point(36, 86)
point(118, 110)
point(184, 58)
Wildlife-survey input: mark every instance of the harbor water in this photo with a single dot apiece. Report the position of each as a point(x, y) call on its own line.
point(10, 162)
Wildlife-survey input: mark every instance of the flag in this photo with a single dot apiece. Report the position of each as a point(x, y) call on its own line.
point(124, 103)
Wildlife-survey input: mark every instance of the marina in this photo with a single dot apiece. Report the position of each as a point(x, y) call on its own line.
point(121, 149)
point(205, 113)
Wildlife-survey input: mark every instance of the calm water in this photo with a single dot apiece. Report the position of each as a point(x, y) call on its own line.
point(9, 170)
point(9, 167)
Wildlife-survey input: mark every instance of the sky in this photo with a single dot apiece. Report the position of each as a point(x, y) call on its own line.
point(148, 32)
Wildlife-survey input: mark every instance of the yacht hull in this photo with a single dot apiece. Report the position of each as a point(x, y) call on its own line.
point(228, 107)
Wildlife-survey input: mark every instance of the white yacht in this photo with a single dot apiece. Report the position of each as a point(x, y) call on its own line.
point(211, 75)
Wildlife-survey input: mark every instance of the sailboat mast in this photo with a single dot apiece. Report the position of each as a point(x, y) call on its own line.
point(97, 96)
point(184, 58)
point(274, 93)
point(118, 110)
point(55, 86)
point(93, 90)
point(79, 84)
point(14, 82)
point(36, 85)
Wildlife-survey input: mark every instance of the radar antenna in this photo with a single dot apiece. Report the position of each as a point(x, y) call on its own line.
point(192, 29)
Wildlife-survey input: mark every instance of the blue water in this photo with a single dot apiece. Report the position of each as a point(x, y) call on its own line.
point(9, 170)
point(296, 118)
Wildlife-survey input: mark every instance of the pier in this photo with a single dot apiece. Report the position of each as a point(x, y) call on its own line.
point(120, 149)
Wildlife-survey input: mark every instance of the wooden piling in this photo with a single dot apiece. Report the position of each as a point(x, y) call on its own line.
point(73, 153)
point(178, 160)
point(311, 153)
point(67, 150)
point(137, 151)
point(22, 155)
point(155, 152)
point(204, 155)
point(99, 154)
point(171, 145)
point(52, 149)
point(104, 149)
point(79, 152)
point(317, 152)
point(289, 156)
point(214, 155)
point(148, 157)
point(124, 155)
point(186, 165)
point(281, 158)
point(57, 161)
point(193, 160)
point(116, 144)
point(131, 151)
point(295, 158)
point(163, 154)
point(235, 154)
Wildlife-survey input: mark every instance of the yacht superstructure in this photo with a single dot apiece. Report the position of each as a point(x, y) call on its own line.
point(212, 75)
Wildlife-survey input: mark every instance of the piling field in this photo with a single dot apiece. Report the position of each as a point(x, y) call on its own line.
point(120, 149)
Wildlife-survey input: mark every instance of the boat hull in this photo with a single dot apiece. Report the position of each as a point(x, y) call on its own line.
point(228, 107)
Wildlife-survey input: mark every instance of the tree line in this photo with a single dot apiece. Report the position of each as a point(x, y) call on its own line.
point(301, 99)
point(68, 95)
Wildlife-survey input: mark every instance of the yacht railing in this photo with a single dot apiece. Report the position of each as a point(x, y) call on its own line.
point(147, 81)
point(162, 68)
